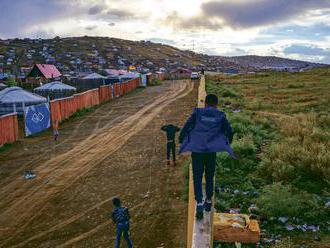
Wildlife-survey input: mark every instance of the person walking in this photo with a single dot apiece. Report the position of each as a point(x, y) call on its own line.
point(170, 145)
point(121, 218)
point(206, 132)
point(55, 130)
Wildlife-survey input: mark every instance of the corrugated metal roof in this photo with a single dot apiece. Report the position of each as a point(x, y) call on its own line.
point(49, 71)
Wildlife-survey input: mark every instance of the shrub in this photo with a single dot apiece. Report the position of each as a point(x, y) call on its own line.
point(283, 200)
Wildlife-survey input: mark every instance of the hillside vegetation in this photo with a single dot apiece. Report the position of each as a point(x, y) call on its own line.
point(282, 137)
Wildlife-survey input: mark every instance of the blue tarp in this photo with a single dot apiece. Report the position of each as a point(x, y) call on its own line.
point(37, 118)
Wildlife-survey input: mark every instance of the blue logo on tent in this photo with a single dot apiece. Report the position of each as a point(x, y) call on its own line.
point(37, 118)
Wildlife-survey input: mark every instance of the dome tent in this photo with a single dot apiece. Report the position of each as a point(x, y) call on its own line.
point(94, 76)
point(55, 90)
point(12, 99)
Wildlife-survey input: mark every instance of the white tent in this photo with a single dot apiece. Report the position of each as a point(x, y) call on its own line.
point(2, 86)
point(53, 86)
point(14, 98)
point(94, 76)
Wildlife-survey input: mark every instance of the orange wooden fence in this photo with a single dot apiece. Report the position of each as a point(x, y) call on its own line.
point(8, 128)
point(105, 93)
point(62, 109)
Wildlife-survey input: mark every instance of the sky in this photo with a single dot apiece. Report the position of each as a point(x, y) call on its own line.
point(297, 29)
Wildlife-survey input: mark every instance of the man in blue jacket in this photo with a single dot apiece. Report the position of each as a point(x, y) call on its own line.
point(206, 132)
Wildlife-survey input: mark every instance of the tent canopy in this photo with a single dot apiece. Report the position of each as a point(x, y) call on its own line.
point(18, 95)
point(55, 86)
point(94, 76)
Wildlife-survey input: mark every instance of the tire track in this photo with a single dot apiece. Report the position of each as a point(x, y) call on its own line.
point(77, 162)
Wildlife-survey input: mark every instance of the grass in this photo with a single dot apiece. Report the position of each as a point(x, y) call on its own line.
point(282, 138)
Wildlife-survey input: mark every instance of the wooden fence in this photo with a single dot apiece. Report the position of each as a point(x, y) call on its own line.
point(62, 109)
point(8, 128)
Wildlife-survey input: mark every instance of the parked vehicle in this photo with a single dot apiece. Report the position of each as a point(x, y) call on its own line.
point(194, 75)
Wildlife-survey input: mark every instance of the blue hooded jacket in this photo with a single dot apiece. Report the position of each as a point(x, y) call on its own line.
point(206, 130)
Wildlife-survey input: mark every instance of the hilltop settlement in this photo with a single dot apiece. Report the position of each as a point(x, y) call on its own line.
point(77, 57)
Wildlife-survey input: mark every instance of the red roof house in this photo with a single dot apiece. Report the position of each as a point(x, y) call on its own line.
point(44, 70)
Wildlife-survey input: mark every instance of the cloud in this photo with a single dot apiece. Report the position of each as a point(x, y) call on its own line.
point(91, 27)
point(306, 50)
point(192, 23)
point(36, 14)
point(97, 9)
point(163, 41)
point(321, 54)
point(253, 13)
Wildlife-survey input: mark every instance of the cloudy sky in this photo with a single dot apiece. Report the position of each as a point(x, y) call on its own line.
point(298, 29)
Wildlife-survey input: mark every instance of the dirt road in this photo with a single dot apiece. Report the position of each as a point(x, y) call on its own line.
point(116, 149)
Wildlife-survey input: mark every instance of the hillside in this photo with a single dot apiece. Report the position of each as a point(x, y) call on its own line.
point(75, 55)
point(271, 62)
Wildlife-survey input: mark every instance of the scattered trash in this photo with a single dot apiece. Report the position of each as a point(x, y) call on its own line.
point(46, 181)
point(246, 193)
point(236, 111)
point(283, 219)
point(255, 194)
point(313, 228)
point(317, 238)
point(327, 205)
point(253, 209)
point(236, 191)
point(29, 175)
point(234, 211)
point(146, 195)
point(289, 227)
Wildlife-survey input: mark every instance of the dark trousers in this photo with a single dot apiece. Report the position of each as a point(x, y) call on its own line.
point(203, 162)
point(122, 229)
point(170, 148)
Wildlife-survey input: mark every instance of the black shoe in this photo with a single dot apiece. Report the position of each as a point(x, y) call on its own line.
point(207, 206)
point(199, 211)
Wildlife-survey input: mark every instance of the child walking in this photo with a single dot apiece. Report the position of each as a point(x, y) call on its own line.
point(120, 217)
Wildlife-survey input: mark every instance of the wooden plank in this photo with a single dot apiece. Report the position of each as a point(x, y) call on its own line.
point(235, 228)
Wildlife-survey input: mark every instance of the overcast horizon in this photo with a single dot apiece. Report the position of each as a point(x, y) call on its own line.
point(296, 29)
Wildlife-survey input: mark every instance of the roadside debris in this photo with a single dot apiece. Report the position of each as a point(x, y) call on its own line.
point(29, 174)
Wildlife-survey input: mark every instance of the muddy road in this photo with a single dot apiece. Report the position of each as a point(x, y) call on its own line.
point(116, 149)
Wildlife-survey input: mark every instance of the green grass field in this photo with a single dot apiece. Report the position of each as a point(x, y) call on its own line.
point(282, 138)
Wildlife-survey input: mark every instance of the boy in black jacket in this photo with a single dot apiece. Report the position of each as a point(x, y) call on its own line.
point(120, 217)
point(170, 147)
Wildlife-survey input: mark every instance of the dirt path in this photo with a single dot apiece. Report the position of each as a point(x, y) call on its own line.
point(114, 150)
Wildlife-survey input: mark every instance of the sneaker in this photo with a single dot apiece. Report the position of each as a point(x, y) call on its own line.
point(199, 211)
point(207, 205)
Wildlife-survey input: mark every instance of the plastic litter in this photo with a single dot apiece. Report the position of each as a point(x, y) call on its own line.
point(283, 219)
point(236, 111)
point(289, 227)
point(28, 175)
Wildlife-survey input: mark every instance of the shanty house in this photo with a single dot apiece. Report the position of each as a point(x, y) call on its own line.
point(41, 73)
